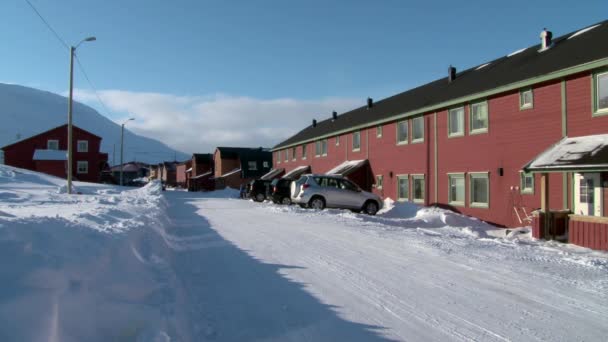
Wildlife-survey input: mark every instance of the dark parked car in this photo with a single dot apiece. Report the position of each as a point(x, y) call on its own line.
point(259, 190)
point(281, 192)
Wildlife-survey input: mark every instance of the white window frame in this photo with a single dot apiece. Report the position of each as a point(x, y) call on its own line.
point(407, 179)
point(338, 140)
point(457, 175)
point(479, 130)
point(81, 163)
point(286, 155)
point(265, 164)
point(294, 154)
point(596, 94)
point(48, 143)
point(414, 178)
point(407, 132)
point(251, 163)
point(522, 105)
point(461, 116)
point(522, 183)
point(358, 148)
point(304, 152)
point(379, 131)
point(324, 147)
point(414, 139)
point(379, 182)
point(278, 157)
point(85, 150)
point(473, 175)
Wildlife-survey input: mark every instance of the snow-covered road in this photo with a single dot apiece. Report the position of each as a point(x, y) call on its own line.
point(279, 273)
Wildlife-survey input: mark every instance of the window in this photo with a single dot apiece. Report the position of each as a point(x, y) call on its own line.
point(456, 191)
point(403, 188)
point(321, 147)
point(252, 165)
point(480, 190)
point(527, 183)
point(379, 182)
point(479, 118)
point(82, 146)
point(82, 167)
point(338, 140)
point(379, 131)
point(265, 164)
point(585, 191)
point(278, 157)
point(293, 153)
point(402, 132)
point(600, 93)
point(286, 156)
point(456, 122)
point(418, 185)
point(303, 151)
point(324, 147)
point(347, 185)
point(356, 141)
point(418, 129)
point(52, 145)
point(526, 99)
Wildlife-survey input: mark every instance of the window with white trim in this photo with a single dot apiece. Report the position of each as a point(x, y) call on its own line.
point(252, 165)
point(324, 147)
point(418, 129)
point(379, 182)
point(379, 131)
point(304, 151)
point(601, 93)
point(52, 144)
point(321, 148)
point(403, 188)
point(479, 184)
point(286, 156)
point(278, 157)
point(478, 119)
point(356, 141)
point(82, 167)
point(293, 153)
point(418, 191)
point(456, 122)
point(338, 140)
point(82, 146)
point(265, 164)
point(457, 189)
point(402, 132)
point(526, 99)
point(526, 183)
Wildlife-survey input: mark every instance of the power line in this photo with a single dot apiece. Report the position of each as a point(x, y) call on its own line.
point(48, 25)
point(81, 67)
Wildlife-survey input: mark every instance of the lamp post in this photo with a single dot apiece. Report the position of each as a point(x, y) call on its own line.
point(122, 135)
point(70, 147)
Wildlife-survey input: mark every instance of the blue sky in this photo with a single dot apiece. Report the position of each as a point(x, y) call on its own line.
point(190, 60)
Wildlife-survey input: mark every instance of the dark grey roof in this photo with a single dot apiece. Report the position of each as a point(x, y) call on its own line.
point(565, 53)
point(203, 158)
point(297, 172)
point(273, 173)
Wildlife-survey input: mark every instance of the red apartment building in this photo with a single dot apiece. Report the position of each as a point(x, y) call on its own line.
point(236, 166)
point(47, 153)
point(470, 141)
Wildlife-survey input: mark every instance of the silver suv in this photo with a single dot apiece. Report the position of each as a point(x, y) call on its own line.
point(320, 191)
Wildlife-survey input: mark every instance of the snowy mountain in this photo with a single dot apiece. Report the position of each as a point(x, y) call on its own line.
point(27, 111)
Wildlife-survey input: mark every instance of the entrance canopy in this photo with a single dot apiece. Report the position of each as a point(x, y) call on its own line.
point(297, 172)
point(206, 174)
point(273, 173)
point(578, 154)
point(347, 167)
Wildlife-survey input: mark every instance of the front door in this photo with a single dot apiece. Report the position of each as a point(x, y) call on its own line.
point(587, 194)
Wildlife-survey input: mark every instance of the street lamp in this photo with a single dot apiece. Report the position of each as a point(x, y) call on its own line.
point(122, 135)
point(70, 147)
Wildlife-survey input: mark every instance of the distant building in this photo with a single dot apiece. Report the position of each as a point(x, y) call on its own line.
point(235, 166)
point(47, 153)
point(168, 173)
point(201, 174)
point(182, 173)
point(130, 172)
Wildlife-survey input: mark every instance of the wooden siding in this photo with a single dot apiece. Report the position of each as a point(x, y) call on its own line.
point(588, 234)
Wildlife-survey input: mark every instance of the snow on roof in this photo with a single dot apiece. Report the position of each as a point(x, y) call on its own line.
point(577, 153)
point(583, 31)
point(202, 175)
point(516, 52)
point(347, 167)
point(50, 155)
point(230, 173)
point(297, 171)
point(189, 170)
point(272, 174)
point(482, 66)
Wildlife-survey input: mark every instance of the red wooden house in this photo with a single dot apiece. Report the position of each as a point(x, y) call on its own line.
point(236, 166)
point(201, 173)
point(465, 141)
point(182, 173)
point(47, 152)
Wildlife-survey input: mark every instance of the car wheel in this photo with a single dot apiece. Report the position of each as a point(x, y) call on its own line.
point(317, 203)
point(259, 197)
point(370, 207)
point(286, 201)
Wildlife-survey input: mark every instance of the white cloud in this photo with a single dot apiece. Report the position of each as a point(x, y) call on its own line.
point(200, 123)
